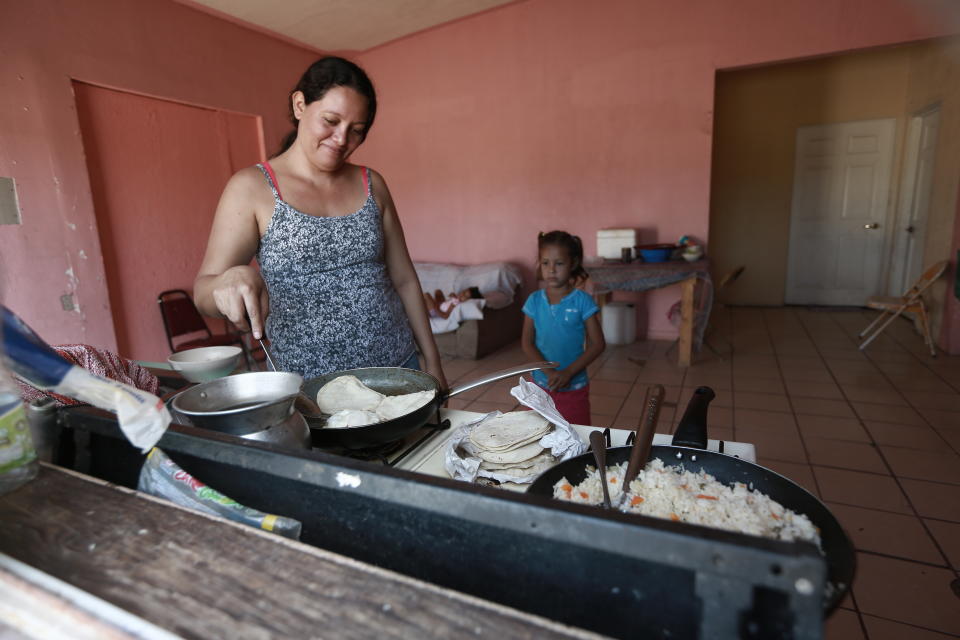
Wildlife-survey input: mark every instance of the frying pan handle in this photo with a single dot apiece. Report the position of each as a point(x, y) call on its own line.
point(500, 375)
point(692, 430)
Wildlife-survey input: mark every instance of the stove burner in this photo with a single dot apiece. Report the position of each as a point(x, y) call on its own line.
point(379, 453)
point(390, 453)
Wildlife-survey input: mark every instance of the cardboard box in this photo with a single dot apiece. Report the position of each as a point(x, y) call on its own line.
point(611, 241)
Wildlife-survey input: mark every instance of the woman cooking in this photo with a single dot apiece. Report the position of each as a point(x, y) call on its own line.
point(336, 287)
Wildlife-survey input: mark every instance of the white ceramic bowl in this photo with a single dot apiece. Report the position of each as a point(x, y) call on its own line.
point(205, 363)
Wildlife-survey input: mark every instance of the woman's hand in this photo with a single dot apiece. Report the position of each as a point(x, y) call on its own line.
point(437, 372)
point(241, 294)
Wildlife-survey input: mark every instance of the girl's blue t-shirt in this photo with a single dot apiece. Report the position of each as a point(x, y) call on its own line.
point(560, 331)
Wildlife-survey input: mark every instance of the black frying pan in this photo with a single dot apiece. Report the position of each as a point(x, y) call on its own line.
point(689, 449)
point(394, 381)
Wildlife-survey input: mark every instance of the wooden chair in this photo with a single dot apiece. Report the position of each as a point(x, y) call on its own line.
point(186, 328)
point(909, 302)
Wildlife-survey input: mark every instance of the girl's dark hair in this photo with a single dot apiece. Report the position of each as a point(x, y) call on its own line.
point(573, 247)
point(323, 75)
point(475, 293)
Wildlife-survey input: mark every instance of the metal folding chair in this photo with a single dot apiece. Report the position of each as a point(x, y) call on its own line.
point(909, 302)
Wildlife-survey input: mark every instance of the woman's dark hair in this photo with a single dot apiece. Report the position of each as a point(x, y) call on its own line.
point(475, 293)
point(323, 75)
point(573, 247)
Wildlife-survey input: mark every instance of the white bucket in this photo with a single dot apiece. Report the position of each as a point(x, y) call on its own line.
point(619, 321)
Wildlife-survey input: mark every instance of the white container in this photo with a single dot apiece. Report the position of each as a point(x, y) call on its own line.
point(610, 242)
point(204, 364)
point(619, 322)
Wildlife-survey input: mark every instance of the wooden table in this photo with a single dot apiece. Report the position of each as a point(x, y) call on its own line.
point(199, 576)
point(607, 277)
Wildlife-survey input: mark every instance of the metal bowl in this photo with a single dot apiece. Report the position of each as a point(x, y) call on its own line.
point(241, 403)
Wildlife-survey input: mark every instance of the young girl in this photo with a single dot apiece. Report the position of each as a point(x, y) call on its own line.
point(561, 325)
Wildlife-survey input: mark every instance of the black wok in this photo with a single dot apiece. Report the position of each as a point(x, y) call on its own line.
point(393, 381)
point(689, 449)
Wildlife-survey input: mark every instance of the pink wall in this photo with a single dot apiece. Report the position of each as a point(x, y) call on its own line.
point(534, 116)
point(192, 153)
point(543, 115)
point(153, 47)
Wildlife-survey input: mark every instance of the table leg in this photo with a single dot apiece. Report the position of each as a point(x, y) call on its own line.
point(685, 348)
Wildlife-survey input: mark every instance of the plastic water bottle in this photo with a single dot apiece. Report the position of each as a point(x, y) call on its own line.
point(18, 458)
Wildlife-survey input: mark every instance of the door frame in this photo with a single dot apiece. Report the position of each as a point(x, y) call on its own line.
point(900, 277)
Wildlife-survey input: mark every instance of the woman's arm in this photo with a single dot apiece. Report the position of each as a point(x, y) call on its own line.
point(227, 285)
point(404, 277)
point(595, 344)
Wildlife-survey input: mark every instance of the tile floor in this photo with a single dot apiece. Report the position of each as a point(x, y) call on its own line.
point(875, 434)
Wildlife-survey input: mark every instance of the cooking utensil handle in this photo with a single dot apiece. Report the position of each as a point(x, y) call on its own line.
point(645, 430)
point(599, 445)
point(692, 430)
point(266, 352)
point(500, 375)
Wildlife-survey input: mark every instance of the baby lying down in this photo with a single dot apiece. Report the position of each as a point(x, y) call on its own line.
point(446, 314)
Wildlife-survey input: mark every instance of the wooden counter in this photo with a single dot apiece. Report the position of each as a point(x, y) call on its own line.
point(204, 577)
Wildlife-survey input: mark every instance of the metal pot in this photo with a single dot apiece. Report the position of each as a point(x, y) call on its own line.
point(292, 432)
point(394, 381)
point(240, 404)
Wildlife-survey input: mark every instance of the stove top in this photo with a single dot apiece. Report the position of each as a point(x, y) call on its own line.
point(394, 453)
point(428, 456)
point(389, 454)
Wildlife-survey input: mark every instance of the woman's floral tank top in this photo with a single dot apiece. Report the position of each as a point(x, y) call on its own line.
point(332, 303)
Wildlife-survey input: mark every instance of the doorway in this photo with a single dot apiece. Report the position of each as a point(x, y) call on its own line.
point(838, 218)
point(157, 168)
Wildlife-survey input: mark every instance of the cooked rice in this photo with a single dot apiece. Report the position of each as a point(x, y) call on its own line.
point(697, 498)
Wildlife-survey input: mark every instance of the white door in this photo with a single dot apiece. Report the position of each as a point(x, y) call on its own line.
point(917, 182)
point(838, 219)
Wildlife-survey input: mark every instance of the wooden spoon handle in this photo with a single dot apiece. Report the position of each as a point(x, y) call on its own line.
point(645, 430)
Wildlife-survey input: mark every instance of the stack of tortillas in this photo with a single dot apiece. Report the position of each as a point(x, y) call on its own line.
point(509, 444)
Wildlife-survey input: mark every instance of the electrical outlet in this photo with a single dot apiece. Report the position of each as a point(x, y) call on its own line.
point(66, 302)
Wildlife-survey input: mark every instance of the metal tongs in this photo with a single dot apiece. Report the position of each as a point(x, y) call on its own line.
point(644, 438)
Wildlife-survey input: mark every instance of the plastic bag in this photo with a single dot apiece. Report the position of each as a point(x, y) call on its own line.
point(162, 477)
point(142, 416)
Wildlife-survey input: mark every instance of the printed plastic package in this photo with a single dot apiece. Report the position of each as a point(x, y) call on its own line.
point(162, 477)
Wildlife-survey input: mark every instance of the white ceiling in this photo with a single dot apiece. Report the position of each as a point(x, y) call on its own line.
point(343, 25)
